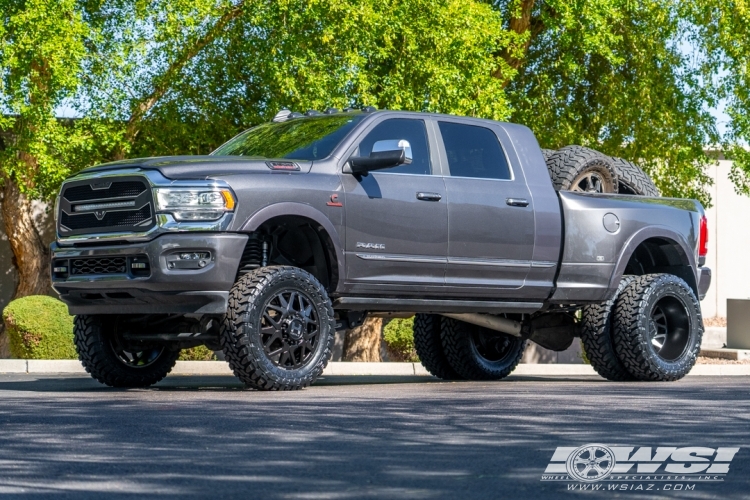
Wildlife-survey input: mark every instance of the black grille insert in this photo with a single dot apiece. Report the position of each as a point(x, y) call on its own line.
point(125, 218)
point(120, 189)
point(102, 205)
point(98, 265)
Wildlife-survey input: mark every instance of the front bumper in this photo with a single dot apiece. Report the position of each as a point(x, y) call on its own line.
point(704, 281)
point(165, 290)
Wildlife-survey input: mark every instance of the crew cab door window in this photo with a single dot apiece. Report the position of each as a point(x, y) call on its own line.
point(400, 129)
point(491, 223)
point(396, 225)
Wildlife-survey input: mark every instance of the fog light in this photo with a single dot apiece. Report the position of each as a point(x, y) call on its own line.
point(60, 269)
point(138, 265)
point(193, 256)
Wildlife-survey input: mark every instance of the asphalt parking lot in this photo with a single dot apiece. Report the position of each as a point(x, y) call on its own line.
point(350, 437)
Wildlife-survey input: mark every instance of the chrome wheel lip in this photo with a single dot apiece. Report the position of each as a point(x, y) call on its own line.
point(289, 329)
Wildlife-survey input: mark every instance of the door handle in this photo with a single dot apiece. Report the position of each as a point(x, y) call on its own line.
point(429, 196)
point(517, 202)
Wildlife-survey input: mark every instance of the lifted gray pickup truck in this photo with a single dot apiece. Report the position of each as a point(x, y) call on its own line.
point(301, 226)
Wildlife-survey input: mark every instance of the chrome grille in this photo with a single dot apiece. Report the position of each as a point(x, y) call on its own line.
point(105, 205)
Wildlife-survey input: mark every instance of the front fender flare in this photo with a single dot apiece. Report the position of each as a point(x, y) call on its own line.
point(302, 210)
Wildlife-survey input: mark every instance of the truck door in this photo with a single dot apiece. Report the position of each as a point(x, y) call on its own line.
point(490, 214)
point(396, 219)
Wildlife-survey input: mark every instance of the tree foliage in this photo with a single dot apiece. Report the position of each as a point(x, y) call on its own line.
point(41, 49)
point(620, 77)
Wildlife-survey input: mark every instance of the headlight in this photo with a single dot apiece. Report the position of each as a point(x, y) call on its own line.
point(186, 204)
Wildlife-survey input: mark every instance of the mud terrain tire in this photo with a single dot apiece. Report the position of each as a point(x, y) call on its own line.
point(658, 327)
point(102, 355)
point(279, 329)
point(429, 347)
point(597, 337)
point(576, 168)
point(478, 353)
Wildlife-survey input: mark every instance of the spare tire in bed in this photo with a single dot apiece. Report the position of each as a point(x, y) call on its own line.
point(577, 168)
point(632, 179)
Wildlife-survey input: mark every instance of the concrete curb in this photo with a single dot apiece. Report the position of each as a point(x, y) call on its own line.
point(65, 366)
point(220, 368)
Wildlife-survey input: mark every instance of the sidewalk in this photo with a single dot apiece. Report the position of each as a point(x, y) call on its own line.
point(39, 366)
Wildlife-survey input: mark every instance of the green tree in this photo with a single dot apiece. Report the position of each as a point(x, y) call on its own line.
point(41, 48)
point(720, 33)
point(184, 77)
point(618, 76)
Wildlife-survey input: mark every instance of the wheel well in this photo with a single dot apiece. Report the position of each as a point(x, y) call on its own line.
point(661, 255)
point(292, 240)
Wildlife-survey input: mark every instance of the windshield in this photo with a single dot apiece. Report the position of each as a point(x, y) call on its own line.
point(309, 138)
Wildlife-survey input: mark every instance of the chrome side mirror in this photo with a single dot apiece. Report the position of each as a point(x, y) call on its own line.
point(385, 154)
point(394, 145)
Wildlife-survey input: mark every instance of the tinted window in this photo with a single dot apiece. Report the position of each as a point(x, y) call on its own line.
point(413, 131)
point(473, 152)
point(310, 138)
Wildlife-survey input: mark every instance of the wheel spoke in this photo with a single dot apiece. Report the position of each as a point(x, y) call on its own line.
point(290, 304)
point(599, 469)
point(271, 338)
point(274, 324)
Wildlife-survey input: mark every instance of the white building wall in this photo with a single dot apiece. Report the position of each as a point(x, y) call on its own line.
point(729, 243)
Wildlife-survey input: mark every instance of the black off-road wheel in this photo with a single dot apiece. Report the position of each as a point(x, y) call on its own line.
point(429, 347)
point(597, 336)
point(576, 168)
point(632, 179)
point(279, 329)
point(658, 327)
point(478, 353)
point(113, 361)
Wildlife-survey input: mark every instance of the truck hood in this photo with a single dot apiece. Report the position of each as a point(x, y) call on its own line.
point(200, 167)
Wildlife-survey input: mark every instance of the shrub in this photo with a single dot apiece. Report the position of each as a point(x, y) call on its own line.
point(39, 327)
point(399, 340)
point(200, 353)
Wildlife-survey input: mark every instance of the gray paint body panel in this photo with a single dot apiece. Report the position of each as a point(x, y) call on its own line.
point(469, 245)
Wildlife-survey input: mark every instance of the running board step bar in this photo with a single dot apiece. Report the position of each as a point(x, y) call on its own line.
point(377, 304)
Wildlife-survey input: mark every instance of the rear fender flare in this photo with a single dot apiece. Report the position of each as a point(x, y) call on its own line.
point(662, 232)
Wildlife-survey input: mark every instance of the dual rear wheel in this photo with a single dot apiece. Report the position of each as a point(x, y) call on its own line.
point(452, 350)
point(651, 330)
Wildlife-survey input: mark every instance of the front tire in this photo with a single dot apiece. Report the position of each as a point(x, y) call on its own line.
point(658, 327)
point(279, 329)
point(478, 353)
point(112, 361)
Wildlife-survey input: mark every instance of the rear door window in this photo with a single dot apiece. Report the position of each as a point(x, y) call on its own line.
point(474, 151)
